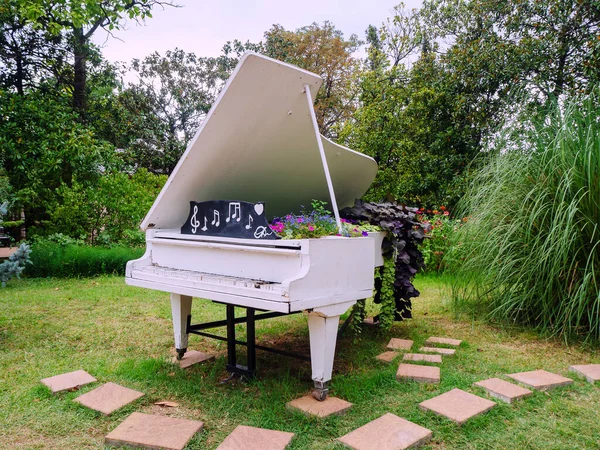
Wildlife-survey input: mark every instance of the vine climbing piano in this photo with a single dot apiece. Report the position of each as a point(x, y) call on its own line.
point(257, 155)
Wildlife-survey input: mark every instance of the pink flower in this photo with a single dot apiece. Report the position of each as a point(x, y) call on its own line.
point(446, 213)
point(311, 228)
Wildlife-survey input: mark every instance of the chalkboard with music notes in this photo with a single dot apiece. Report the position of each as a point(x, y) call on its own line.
point(228, 219)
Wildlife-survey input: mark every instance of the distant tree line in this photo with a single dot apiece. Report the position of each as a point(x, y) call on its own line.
point(84, 154)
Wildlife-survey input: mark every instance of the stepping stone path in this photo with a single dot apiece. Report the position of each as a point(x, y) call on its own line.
point(153, 432)
point(309, 406)
point(250, 438)
point(108, 398)
point(389, 432)
point(423, 374)
point(193, 357)
point(442, 341)
point(68, 381)
point(437, 359)
point(591, 372)
point(441, 351)
point(400, 344)
point(541, 379)
point(503, 390)
point(387, 356)
point(457, 405)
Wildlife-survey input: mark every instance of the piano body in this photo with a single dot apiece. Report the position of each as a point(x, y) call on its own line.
point(260, 143)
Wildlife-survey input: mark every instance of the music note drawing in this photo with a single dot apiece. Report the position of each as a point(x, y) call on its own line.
point(250, 220)
point(236, 208)
point(217, 218)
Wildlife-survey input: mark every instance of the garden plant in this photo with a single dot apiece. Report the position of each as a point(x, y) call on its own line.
point(531, 246)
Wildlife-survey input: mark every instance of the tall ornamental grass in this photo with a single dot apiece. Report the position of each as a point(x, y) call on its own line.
point(531, 246)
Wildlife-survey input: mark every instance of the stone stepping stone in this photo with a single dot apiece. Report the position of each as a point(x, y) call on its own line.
point(309, 406)
point(251, 438)
point(153, 432)
point(503, 390)
point(541, 379)
point(68, 381)
point(437, 359)
point(389, 432)
point(422, 374)
point(442, 341)
point(457, 405)
point(400, 344)
point(192, 357)
point(387, 356)
point(108, 398)
point(591, 372)
point(441, 351)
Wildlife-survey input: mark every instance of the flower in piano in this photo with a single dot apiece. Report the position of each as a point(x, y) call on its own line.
point(311, 228)
point(365, 233)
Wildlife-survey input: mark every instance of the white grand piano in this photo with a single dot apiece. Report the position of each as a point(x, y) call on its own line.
point(260, 143)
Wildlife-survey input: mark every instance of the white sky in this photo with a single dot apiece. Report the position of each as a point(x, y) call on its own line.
point(203, 27)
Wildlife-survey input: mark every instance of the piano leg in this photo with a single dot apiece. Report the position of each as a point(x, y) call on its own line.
point(323, 327)
point(181, 308)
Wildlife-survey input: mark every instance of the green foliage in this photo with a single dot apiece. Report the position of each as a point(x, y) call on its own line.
point(109, 213)
point(532, 242)
point(51, 259)
point(43, 147)
point(387, 312)
point(438, 246)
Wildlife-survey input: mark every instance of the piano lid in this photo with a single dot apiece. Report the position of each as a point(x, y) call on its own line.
point(257, 143)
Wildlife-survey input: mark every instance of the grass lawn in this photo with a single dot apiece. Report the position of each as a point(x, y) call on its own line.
point(123, 334)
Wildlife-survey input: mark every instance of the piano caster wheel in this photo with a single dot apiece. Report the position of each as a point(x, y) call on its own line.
point(180, 353)
point(320, 394)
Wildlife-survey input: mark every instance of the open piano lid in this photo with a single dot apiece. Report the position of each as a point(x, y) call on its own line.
point(258, 143)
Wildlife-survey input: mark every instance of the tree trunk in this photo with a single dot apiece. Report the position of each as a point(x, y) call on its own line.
point(79, 71)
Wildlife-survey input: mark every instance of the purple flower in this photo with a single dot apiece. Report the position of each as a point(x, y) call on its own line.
point(364, 233)
point(300, 219)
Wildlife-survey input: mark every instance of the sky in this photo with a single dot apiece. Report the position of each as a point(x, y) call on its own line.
point(203, 27)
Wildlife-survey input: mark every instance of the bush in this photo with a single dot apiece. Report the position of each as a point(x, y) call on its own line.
point(437, 248)
point(52, 259)
point(532, 242)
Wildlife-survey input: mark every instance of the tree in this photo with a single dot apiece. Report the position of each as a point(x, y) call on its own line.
point(29, 58)
point(549, 47)
point(165, 106)
point(42, 147)
point(80, 20)
point(323, 50)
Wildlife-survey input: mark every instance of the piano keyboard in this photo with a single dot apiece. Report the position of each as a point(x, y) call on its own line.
point(178, 275)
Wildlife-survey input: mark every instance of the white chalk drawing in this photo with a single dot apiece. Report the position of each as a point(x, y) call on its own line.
point(216, 218)
point(194, 222)
point(262, 232)
point(259, 208)
point(236, 207)
point(250, 220)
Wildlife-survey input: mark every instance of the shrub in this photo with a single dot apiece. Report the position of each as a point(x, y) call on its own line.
point(532, 242)
point(437, 248)
point(52, 259)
